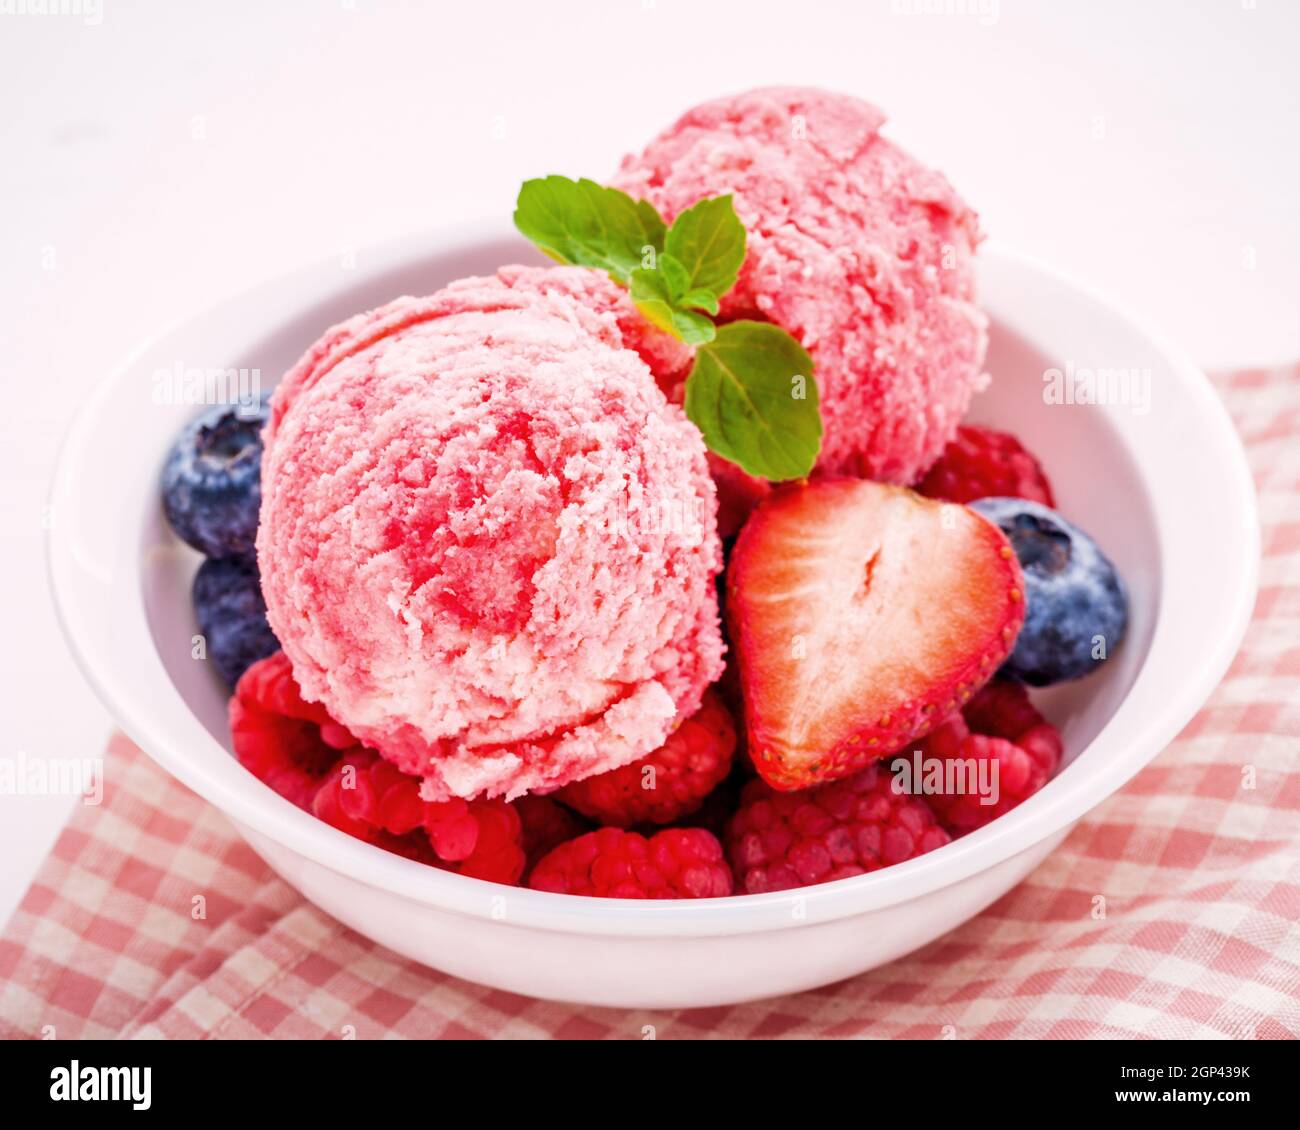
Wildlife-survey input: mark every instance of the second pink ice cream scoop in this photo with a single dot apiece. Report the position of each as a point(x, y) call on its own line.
point(854, 247)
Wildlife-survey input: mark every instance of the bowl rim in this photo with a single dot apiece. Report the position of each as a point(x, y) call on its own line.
point(77, 584)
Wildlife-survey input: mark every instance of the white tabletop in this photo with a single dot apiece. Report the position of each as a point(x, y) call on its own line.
point(166, 154)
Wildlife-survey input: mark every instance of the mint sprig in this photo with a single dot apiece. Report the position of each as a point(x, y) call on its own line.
point(671, 272)
point(701, 257)
point(654, 297)
point(751, 390)
point(703, 251)
point(589, 225)
point(751, 394)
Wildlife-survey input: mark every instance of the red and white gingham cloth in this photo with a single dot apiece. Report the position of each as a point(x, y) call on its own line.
point(1201, 877)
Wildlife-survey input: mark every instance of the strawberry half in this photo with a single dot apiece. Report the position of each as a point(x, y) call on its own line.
point(862, 615)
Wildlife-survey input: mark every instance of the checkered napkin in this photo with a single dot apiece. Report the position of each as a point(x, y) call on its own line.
point(1201, 877)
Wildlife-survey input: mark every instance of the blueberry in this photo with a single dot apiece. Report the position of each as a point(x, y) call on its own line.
point(232, 615)
point(212, 480)
point(1076, 606)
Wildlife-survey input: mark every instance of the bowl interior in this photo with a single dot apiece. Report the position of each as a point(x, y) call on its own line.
point(121, 580)
point(1084, 455)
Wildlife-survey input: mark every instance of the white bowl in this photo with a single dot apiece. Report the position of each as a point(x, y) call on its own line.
point(1167, 493)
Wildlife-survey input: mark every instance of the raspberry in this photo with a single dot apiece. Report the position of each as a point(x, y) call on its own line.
point(1001, 707)
point(296, 748)
point(482, 839)
point(777, 841)
point(999, 724)
point(666, 784)
point(983, 463)
point(285, 742)
point(546, 825)
point(413, 846)
point(363, 794)
point(612, 863)
point(367, 797)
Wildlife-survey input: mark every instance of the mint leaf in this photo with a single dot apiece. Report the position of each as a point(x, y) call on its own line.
point(708, 241)
point(701, 257)
point(584, 223)
point(751, 394)
point(675, 275)
point(652, 297)
point(700, 300)
point(661, 295)
point(750, 390)
point(694, 263)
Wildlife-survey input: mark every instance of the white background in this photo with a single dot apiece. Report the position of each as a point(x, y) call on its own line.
point(173, 152)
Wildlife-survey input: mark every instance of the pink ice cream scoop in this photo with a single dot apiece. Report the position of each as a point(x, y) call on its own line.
point(855, 248)
point(488, 543)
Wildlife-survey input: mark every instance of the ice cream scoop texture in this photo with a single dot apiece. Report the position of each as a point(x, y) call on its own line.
point(854, 247)
point(488, 543)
